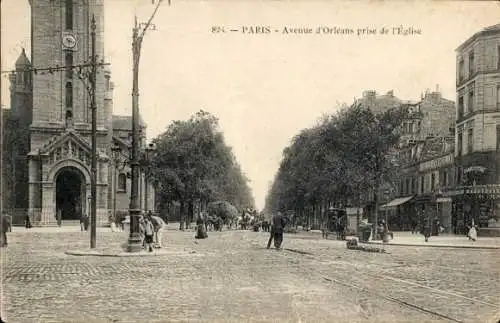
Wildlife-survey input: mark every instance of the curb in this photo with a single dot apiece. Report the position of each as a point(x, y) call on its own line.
point(95, 253)
point(434, 246)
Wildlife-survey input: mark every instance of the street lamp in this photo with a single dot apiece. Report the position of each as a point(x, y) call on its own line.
point(118, 164)
point(149, 154)
point(135, 241)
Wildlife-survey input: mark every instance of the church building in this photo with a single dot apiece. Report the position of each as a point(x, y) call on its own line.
point(47, 130)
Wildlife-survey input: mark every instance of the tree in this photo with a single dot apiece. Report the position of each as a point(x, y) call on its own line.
point(337, 159)
point(194, 166)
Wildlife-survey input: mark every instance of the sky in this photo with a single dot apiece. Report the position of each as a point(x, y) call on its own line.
point(265, 88)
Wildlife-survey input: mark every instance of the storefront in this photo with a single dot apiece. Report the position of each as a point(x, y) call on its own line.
point(399, 213)
point(478, 203)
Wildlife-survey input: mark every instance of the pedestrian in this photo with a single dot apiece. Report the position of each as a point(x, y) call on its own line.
point(142, 230)
point(59, 217)
point(27, 222)
point(159, 225)
point(86, 222)
point(5, 224)
point(201, 232)
point(427, 228)
point(277, 228)
point(472, 232)
point(148, 233)
point(82, 221)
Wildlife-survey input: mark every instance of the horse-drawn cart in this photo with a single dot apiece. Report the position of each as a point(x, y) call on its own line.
point(335, 223)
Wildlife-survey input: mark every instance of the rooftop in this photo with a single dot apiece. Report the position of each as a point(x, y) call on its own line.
point(23, 60)
point(491, 30)
point(125, 122)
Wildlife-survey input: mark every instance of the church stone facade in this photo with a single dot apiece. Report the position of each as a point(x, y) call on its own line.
point(47, 150)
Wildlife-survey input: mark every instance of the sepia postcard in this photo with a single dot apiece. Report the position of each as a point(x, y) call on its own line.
point(249, 161)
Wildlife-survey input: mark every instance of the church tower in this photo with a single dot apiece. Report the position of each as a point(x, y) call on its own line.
point(17, 134)
point(59, 160)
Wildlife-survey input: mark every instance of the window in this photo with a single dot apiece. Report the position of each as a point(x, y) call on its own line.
point(459, 175)
point(413, 185)
point(69, 95)
point(498, 57)
point(459, 144)
point(470, 102)
point(68, 61)
point(433, 181)
point(471, 64)
point(401, 188)
point(407, 186)
point(27, 78)
point(422, 184)
point(69, 118)
point(461, 70)
point(460, 107)
point(122, 182)
point(470, 140)
point(445, 179)
point(498, 96)
point(69, 14)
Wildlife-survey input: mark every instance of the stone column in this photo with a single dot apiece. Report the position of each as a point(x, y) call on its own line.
point(48, 204)
point(33, 180)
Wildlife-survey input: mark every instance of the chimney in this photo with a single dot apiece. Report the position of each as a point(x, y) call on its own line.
point(369, 94)
point(437, 88)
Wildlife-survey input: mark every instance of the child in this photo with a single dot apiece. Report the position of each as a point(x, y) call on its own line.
point(149, 232)
point(472, 232)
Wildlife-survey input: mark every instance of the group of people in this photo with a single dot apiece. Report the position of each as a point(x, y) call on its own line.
point(276, 228)
point(151, 229)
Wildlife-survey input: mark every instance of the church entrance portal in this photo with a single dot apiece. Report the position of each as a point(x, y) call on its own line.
point(70, 193)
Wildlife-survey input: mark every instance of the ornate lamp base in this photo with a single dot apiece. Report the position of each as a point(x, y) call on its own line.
point(134, 240)
point(134, 244)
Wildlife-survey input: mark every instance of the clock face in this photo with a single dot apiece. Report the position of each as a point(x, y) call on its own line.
point(69, 41)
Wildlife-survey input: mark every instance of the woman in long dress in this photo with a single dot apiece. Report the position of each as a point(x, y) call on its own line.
point(201, 232)
point(472, 232)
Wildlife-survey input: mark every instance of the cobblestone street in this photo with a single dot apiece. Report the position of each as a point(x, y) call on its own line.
point(231, 277)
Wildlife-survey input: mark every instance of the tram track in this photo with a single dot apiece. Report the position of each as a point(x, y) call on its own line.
point(409, 294)
point(394, 300)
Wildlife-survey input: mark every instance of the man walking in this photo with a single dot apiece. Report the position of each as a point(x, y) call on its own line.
point(277, 228)
point(5, 223)
point(59, 217)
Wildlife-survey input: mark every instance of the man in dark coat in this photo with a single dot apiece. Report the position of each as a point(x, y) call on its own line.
point(201, 232)
point(277, 227)
point(5, 223)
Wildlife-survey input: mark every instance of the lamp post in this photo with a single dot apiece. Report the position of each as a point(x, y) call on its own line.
point(93, 167)
point(149, 153)
point(116, 159)
point(134, 241)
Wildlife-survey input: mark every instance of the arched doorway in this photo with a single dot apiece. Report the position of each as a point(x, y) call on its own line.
point(70, 193)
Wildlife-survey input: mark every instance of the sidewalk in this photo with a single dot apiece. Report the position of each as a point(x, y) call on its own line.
point(443, 241)
point(64, 228)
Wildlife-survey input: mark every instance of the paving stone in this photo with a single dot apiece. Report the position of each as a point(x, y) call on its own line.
point(231, 277)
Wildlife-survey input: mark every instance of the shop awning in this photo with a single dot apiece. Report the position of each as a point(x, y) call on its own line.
point(397, 201)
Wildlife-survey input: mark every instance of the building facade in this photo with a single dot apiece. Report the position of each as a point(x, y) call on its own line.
point(425, 136)
point(48, 128)
point(477, 156)
point(427, 169)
